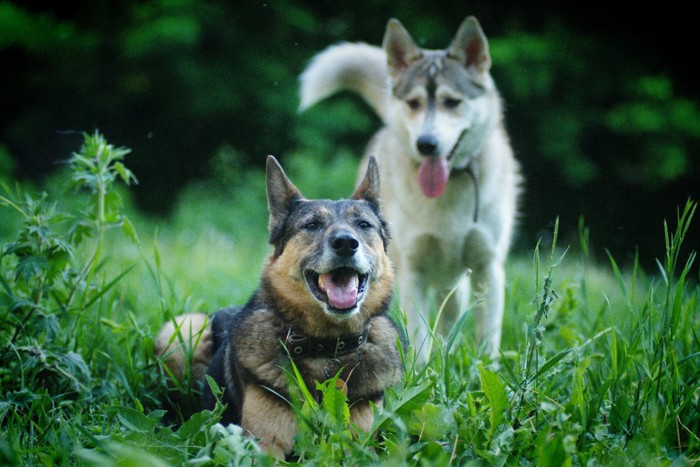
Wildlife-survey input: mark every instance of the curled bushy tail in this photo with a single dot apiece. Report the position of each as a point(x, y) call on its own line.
point(192, 349)
point(354, 67)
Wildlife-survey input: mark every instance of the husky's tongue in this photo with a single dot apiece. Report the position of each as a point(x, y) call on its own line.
point(341, 287)
point(432, 176)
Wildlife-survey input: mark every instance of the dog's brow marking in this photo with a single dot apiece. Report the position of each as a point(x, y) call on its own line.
point(434, 67)
point(432, 71)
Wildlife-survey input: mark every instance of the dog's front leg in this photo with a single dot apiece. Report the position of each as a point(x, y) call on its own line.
point(269, 419)
point(362, 415)
point(489, 289)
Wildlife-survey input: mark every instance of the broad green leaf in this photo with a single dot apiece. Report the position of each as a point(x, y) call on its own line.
point(135, 420)
point(550, 450)
point(430, 422)
point(335, 403)
point(496, 394)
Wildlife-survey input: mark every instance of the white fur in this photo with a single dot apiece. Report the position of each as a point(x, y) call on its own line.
point(354, 67)
point(437, 246)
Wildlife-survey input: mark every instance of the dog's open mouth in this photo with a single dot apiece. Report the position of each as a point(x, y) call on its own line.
point(340, 289)
point(434, 171)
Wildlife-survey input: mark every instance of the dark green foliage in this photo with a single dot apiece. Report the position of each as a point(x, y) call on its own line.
point(597, 104)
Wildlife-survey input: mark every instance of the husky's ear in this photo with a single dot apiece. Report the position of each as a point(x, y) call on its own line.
point(368, 189)
point(399, 47)
point(281, 194)
point(469, 47)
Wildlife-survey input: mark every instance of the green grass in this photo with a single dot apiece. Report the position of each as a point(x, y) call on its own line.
point(601, 365)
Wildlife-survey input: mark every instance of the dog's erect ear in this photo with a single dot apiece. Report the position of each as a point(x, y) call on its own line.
point(400, 49)
point(368, 189)
point(469, 47)
point(281, 193)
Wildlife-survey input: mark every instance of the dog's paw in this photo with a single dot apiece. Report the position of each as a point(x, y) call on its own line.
point(193, 346)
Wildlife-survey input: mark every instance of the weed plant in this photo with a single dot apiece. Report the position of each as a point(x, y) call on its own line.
point(601, 364)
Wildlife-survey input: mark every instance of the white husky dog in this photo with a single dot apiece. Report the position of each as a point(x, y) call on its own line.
point(450, 183)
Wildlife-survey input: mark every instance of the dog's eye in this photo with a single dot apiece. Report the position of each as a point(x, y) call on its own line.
point(313, 225)
point(414, 104)
point(364, 225)
point(452, 103)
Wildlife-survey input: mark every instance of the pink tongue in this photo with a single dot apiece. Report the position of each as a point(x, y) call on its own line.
point(341, 288)
point(432, 176)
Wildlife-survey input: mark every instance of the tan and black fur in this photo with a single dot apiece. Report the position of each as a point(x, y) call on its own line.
point(322, 300)
point(450, 182)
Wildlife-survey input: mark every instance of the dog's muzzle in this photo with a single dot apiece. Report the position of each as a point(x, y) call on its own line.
point(341, 285)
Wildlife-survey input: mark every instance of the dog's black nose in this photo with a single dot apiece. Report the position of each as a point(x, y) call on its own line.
point(427, 145)
point(344, 244)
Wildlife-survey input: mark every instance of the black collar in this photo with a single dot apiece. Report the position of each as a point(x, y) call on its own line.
point(300, 345)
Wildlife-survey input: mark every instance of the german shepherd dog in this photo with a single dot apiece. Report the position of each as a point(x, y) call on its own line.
point(322, 302)
point(450, 182)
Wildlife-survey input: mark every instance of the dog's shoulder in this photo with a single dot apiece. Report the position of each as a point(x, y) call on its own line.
point(384, 331)
point(246, 350)
point(221, 322)
point(246, 328)
point(382, 352)
point(254, 338)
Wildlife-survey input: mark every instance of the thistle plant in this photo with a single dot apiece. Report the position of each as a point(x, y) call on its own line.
point(96, 168)
point(48, 292)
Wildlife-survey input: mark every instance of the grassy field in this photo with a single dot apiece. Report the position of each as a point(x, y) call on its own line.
point(600, 366)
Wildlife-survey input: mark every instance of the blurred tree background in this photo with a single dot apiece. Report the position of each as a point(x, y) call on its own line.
point(601, 106)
